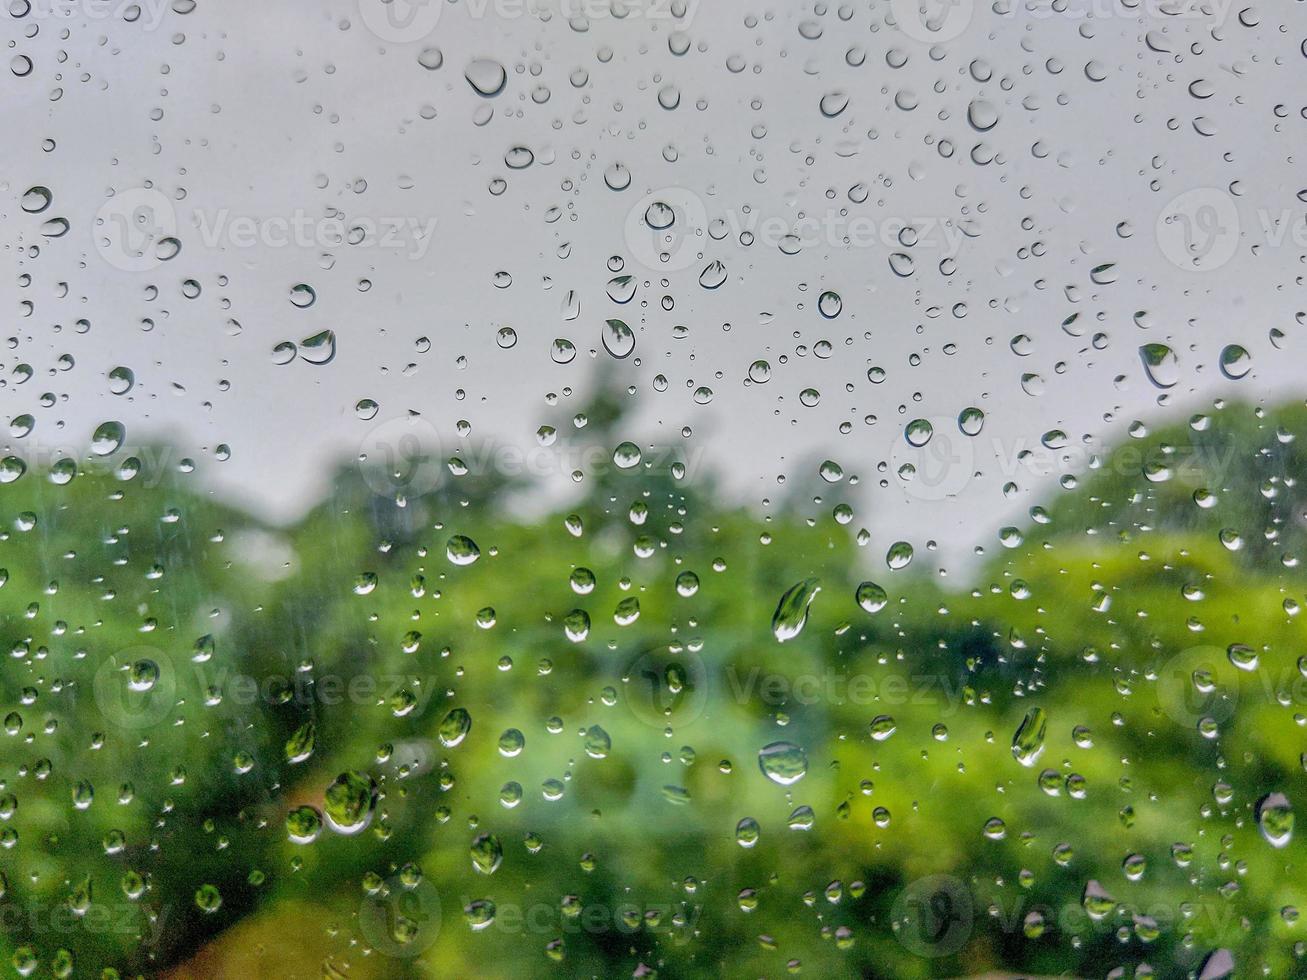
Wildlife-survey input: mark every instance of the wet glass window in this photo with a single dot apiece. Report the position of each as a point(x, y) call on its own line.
point(632, 488)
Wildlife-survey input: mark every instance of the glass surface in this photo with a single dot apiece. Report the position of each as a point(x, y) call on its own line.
point(616, 488)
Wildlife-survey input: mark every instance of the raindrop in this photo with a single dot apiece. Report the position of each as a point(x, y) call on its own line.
point(1028, 742)
point(792, 611)
point(1236, 362)
point(486, 76)
point(1160, 364)
point(349, 802)
point(784, 763)
point(618, 338)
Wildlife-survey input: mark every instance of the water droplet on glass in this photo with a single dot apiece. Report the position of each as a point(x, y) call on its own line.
point(1160, 364)
point(792, 611)
point(349, 802)
point(784, 763)
point(1028, 742)
point(486, 76)
point(618, 339)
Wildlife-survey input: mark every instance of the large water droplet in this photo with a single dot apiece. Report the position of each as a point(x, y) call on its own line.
point(784, 763)
point(462, 550)
point(1236, 362)
point(792, 611)
point(619, 339)
point(1275, 819)
point(108, 438)
point(320, 348)
point(1028, 742)
point(350, 801)
point(486, 853)
point(871, 597)
point(1160, 364)
point(486, 76)
point(454, 727)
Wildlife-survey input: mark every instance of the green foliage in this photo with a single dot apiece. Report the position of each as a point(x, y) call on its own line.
point(355, 635)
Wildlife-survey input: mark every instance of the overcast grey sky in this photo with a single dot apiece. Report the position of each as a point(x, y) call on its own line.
point(1025, 147)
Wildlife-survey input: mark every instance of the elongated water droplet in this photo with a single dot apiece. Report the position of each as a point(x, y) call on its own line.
point(619, 339)
point(792, 611)
point(1028, 742)
point(487, 853)
point(300, 745)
